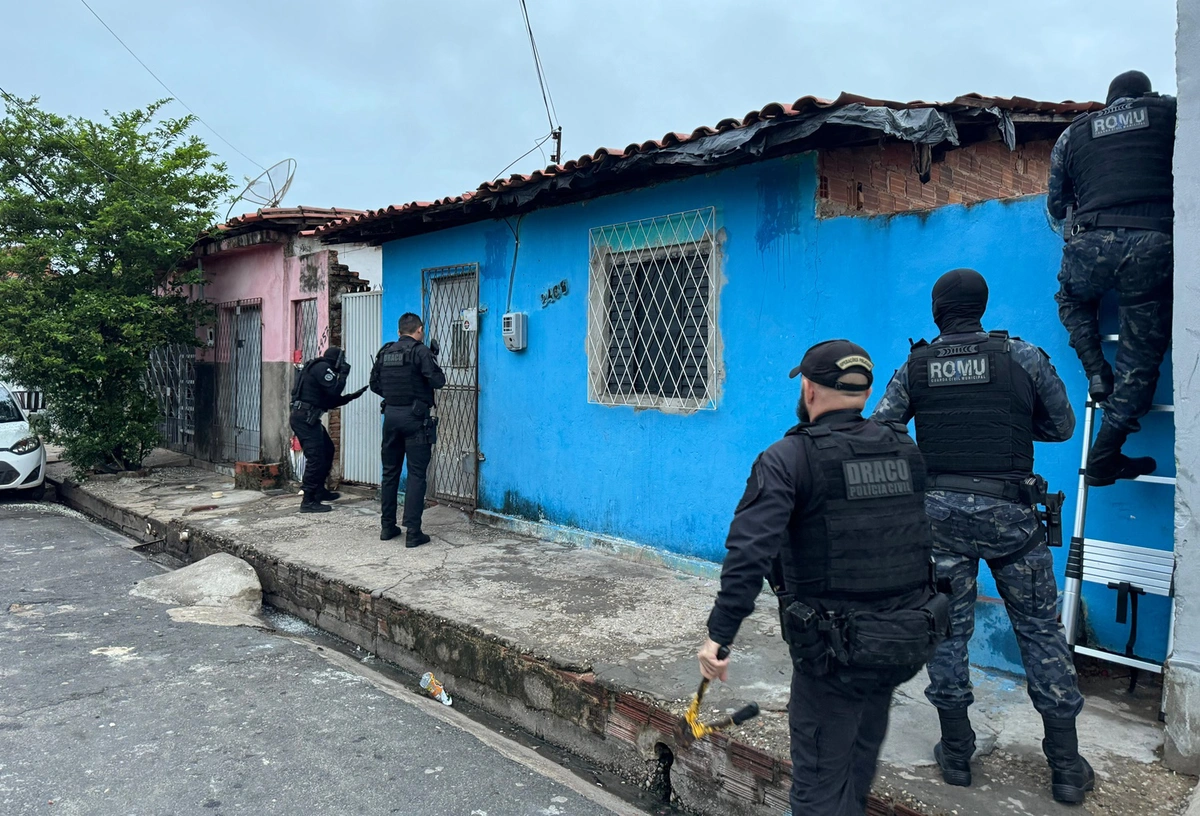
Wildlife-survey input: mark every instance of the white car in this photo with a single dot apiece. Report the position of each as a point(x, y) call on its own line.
point(22, 454)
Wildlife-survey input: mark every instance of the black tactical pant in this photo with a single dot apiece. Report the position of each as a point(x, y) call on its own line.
point(403, 435)
point(1139, 265)
point(318, 451)
point(837, 724)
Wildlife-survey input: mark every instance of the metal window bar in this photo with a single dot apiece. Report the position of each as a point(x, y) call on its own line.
point(305, 335)
point(171, 380)
point(238, 362)
point(652, 312)
point(448, 292)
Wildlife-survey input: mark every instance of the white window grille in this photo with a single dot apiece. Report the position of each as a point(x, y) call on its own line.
point(652, 313)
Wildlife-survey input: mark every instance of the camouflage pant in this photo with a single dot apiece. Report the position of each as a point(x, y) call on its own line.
point(967, 528)
point(1138, 264)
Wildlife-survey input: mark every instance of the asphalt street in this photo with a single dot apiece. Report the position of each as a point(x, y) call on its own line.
point(107, 706)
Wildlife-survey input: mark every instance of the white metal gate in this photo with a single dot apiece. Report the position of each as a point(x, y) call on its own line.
point(362, 424)
point(451, 297)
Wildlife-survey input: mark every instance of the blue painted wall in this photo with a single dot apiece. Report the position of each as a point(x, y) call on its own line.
point(788, 280)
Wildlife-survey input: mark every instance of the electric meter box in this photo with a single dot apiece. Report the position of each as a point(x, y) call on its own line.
point(513, 330)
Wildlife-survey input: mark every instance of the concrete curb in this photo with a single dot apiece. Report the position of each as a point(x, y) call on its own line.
point(557, 702)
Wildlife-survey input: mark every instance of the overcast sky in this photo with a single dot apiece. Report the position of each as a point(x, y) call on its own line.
point(383, 101)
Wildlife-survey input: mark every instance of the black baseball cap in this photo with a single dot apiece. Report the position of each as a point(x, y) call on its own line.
point(825, 363)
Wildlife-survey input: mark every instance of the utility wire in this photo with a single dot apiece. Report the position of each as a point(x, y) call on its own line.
point(547, 97)
point(174, 95)
point(537, 146)
point(66, 137)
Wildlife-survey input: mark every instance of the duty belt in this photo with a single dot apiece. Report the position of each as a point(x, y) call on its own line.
point(996, 488)
point(303, 406)
point(1102, 221)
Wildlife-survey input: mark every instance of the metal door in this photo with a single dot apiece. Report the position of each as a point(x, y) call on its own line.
point(451, 298)
point(171, 378)
point(362, 426)
point(238, 418)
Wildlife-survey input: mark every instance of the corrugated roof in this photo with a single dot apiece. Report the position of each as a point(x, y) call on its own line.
point(419, 216)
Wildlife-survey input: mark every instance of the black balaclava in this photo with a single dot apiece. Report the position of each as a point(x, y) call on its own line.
point(959, 301)
point(336, 358)
point(1131, 84)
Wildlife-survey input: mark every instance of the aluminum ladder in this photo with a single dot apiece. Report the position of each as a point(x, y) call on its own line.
point(1130, 570)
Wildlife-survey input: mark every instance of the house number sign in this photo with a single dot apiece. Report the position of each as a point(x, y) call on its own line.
point(556, 292)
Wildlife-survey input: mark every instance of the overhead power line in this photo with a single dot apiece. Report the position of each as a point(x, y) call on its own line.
point(174, 95)
point(547, 97)
point(66, 137)
point(537, 146)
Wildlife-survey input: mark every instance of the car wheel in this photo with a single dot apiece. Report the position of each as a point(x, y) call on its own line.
point(35, 493)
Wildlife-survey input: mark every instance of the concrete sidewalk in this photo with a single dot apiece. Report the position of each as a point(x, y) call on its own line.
point(595, 651)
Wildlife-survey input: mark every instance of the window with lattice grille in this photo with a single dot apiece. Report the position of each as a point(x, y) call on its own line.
point(652, 313)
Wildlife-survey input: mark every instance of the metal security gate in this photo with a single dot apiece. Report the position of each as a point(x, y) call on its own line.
point(171, 379)
point(305, 343)
point(238, 419)
point(362, 425)
point(451, 298)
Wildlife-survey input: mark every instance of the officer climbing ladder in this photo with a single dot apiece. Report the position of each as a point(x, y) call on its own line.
point(1130, 570)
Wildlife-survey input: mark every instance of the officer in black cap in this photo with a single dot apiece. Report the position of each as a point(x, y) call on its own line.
point(405, 375)
point(1111, 172)
point(833, 514)
point(980, 399)
point(318, 389)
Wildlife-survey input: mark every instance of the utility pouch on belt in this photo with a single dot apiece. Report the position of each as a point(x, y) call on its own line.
point(807, 641)
point(420, 409)
point(904, 637)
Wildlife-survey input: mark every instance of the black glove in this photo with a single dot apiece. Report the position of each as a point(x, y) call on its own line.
point(434, 348)
point(358, 393)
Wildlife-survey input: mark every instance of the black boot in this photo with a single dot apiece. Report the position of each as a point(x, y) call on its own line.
point(1070, 774)
point(329, 495)
point(311, 504)
point(954, 752)
point(416, 538)
point(1100, 384)
point(1106, 463)
point(389, 532)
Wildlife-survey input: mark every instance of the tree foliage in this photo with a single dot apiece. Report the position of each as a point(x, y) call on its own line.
point(96, 221)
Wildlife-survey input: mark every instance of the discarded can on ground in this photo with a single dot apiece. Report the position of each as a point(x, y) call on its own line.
point(431, 685)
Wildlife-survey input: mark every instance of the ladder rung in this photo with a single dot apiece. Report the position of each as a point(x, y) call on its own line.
point(1113, 657)
point(1166, 480)
point(1162, 409)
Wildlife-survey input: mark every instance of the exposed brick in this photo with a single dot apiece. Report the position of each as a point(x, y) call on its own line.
point(890, 183)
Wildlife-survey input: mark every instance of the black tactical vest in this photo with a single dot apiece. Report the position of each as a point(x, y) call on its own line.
point(1122, 154)
point(400, 379)
point(308, 388)
point(973, 405)
point(863, 532)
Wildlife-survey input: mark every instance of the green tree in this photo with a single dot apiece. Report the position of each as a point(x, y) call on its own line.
point(96, 221)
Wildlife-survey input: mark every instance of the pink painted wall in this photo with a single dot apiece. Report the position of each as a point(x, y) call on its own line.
point(266, 272)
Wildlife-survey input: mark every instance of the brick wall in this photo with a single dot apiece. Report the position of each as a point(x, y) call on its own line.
point(883, 179)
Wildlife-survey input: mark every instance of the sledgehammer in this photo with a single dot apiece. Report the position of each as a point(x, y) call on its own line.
point(689, 728)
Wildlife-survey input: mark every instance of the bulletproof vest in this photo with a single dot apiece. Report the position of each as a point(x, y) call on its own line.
point(973, 405)
point(307, 388)
point(301, 374)
point(400, 378)
point(1122, 154)
point(863, 532)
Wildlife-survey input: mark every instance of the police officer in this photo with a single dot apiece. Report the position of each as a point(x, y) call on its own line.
point(980, 400)
point(318, 389)
point(405, 375)
point(834, 512)
point(1113, 168)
